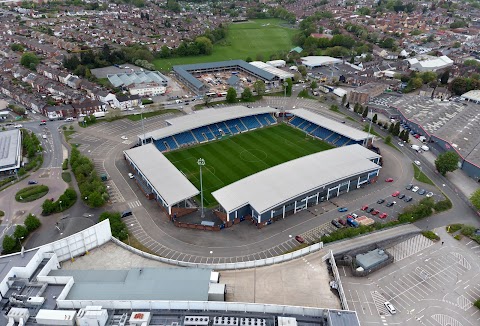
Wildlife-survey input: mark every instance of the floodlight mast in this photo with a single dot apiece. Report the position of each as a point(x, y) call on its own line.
point(201, 162)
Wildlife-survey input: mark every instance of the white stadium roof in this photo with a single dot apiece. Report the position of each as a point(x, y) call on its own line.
point(203, 118)
point(273, 70)
point(473, 95)
point(337, 127)
point(167, 180)
point(273, 187)
point(319, 60)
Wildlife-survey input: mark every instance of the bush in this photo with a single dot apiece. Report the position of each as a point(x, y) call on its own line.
point(31, 193)
point(146, 101)
point(67, 177)
point(477, 304)
point(458, 237)
point(7, 180)
point(67, 199)
point(467, 230)
point(119, 229)
point(9, 244)
point(65, 164)
point(443, 205)
point(416, 212)
point(430, 235)
point(32, 223)
point(452, 228)
point(2, 213)
point(20, 232)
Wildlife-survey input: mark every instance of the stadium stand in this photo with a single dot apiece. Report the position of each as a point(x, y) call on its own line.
point(244, 121)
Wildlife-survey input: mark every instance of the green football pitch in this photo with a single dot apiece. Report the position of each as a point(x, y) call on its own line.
point(235, 157)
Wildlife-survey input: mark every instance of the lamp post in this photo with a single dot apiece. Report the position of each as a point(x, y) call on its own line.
point(201, 162)
point(369, 129)
point(60, 202)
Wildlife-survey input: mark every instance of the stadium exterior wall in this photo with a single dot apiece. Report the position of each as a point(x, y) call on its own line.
point(304, 201)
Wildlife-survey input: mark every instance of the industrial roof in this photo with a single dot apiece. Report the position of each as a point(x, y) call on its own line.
point(473, 95)
point(335, 126)
point(204, 118)
point(15, 260)
point(167, 180)
point(10, 141)
point(185, 284)
point(282, 74)
point(371, 258)
point(319, 60)
point(137, 77)
point(342, 318)
point(270, 188)
point(433, 64)
point(186, 70)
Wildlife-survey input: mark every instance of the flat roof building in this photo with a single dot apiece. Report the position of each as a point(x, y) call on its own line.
point(10, 151)
point(281, 74)
point(430, 63)
point(137, 77)
point(472, 96)
point(318, 61)
point(293, 186)
point(364, 93)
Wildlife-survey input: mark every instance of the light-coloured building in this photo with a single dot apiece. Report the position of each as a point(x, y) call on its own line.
point(11, 147)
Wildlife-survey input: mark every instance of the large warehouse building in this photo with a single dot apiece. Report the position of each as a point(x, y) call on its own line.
point(448, 126)
point(10, 151)
point(293, 186)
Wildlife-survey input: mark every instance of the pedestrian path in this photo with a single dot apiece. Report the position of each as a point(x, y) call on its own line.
point(134, 204)
point(409, 247)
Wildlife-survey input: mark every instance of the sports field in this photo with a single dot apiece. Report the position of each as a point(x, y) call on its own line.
point(258, 36)
point(236, 157)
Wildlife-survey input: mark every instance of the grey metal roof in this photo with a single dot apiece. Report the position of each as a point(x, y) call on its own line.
point(138, 284)
point(339, 128)
point(15, 260)
point(271, 188)
point(185, 70)
point(137, 77)
point(10, 143)
point(371, 258)
point(204, 118)
point(167, 180)
point(342, 318)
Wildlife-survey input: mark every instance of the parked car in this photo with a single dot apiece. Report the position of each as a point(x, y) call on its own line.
point(375, 212)
point(430, 194)
point(299, 239)
point(415, 189)
point(126, 213)
point(407, 199)
point(391, 203)
point(370, 210)
point(124, 137)
point(396, 193)
point(389, 180)
point(352, 223)
point(342, 209)
point(32, 182)
point(364, 207)
point(336, 224)
point(400, 144)
point(409, 187)
point(354, 215)
point(131, 176)
point(43, 122)
point(401, 196)
point(18, 126)
point(380, 201)
point(422, 192)
point(391, 309)
point(383, 215)
point(417, 163)
point(342, 221)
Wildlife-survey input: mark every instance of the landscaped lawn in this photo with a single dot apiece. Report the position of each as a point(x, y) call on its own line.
point(236, 157)
point(259, 36)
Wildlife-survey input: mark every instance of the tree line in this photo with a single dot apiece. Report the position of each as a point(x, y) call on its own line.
point(12, 243)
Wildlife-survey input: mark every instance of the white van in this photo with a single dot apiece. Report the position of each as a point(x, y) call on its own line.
point(69, 119)
point(44, 136)
point(425, 148)
point(391, 309)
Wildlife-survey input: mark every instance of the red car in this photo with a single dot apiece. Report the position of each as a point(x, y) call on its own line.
point(389, 180)
point(396, 193)
point(364, 207)
point(416, 136)
point(374, 212)
point(342, 221)
point(299, 239)
point(383, 215)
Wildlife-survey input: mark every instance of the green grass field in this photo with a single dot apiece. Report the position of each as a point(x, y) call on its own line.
point(260, 36)
point(236, 157)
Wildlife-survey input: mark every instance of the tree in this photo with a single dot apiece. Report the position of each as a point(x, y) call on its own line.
point(444, 77)
point(9, 244)
point(259, 87)
point(302, 70)
point(29, 60)
point(475, 199)
point(231, 95)
point(48, 207)
point(396, 129)
point(365, 112)
point(446, 162)
point(20, 232)
point(289, 86)
point(390, 128)
point(375, 117)
point(248, 59)
point(247, 94)
point(95, 199)
point(118, 227)
point(313, 85)
point(204, 45)
point(32, 222)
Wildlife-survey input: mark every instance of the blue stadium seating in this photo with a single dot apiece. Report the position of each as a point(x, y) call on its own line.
point(170, 142)
point(185, 138)
point(203, 133)
point(159, 144)
point(305, 122)
point(269, 118)
point(332, 137)
point(296, 121)
point(342, 141)
point(251, 122)
point(232, 125)
point(224, 127)
point(322, 133)
point(311, 128)
point(241, 125)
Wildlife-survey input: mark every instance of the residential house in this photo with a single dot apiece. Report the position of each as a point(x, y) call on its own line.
point(124, 102)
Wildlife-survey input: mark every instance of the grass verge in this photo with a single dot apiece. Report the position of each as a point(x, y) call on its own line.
point(68, 134)
point(420, 176)
point(67, 177)
point(31, 193)
point(430, 235)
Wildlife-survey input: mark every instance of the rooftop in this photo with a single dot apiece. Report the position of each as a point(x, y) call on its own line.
point(137, 77)
point(337, 127)
point(282, 74)
point(270, 188)
point(167, 180)
point(203, 118)
point(10, 142)
point(319, 60)
point(473, 95)
point(138, 284)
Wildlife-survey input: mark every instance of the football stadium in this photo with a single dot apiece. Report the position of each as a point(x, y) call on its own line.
point(255, 166)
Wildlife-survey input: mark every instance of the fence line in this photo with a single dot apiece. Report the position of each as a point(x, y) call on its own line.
point(226, 266)
point(343, 299)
